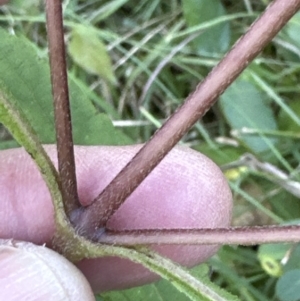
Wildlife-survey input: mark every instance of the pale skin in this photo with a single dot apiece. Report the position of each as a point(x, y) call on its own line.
point(186, 190)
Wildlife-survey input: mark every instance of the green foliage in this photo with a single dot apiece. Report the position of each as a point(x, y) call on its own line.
point(292, 30)
point(290, 37)
point(163, 290)
point(244, 106)
point(287, 288)
point(26, 77)
point(287, 124)
point(214, 40)
point(270, 256)
point(283, 261)
point(221, 155)
point(89, 52)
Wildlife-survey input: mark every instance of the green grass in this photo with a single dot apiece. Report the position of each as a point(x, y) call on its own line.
point(153, 79)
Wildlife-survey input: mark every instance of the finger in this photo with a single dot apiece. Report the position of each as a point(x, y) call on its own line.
point(30, 272)
point(186, 190)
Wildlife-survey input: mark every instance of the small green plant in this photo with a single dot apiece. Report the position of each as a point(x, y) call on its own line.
point(82, 232)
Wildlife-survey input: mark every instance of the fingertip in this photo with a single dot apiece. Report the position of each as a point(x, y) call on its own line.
point(31, 272)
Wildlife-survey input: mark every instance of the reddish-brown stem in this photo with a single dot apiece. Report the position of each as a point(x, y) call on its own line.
point(60, 91)
point(232, 236)
point(196, 105)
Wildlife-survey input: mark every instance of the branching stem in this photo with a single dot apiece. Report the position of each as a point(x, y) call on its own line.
point(231, 236)
point(60, 91)
point(196, 105)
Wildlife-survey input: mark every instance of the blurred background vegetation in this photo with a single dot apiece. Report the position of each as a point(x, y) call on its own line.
point(132, 63)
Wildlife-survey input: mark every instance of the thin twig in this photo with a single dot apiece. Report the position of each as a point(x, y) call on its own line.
point(196, 105)
point(228, 236)
point(59, 79)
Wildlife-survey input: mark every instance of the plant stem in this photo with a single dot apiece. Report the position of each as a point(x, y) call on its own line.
point(195, 106)
point(232, 236)
point(60, 91)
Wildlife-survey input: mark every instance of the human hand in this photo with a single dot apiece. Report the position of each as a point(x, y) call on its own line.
point(31, 272)
point(186, 190)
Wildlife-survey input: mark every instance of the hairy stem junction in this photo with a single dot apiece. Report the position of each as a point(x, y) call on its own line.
point(196, 105)
point(91, 220)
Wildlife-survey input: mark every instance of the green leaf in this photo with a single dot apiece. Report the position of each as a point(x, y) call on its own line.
point(292, 30)
point(287, 287)
point(214, 40)
point(30, 7)
point(89, 52)
point(194, 288)
point(289, 209)
point(245, 107)
point(161, 290)
point(285, 122)
point(294, 255)
point(222, 154)
point(26, 77)
point(290, 36)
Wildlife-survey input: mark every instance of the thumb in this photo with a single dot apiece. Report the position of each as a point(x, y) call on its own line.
point(185, 191)
point(30, 272)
